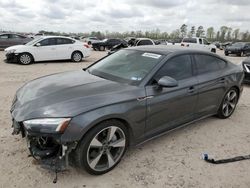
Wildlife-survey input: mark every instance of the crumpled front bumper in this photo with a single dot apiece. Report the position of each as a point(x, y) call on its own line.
point(12, 57)
point(46, 148)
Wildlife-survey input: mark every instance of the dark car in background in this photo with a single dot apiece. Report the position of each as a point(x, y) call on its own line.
point(11, 39)
point(238, 48)
point(107, 44)
point(91, 116)
point(246, 67)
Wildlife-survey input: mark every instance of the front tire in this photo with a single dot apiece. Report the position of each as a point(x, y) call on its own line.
point(102, 148)
point(228, 104)
point(76, 56)
point(25, 59)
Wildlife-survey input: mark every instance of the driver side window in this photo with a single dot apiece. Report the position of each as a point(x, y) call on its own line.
point(48, 42)
point(179, 68)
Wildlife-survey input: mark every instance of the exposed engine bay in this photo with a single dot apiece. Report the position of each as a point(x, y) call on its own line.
point(46, 148)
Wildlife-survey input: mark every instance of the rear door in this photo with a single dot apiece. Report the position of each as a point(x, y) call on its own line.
point(212, 83)
point(168, 108)
point(64, 48)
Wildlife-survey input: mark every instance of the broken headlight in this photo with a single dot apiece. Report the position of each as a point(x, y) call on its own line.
point(47, 125)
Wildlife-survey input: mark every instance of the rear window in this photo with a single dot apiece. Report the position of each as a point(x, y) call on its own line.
point(189, 40)
point(207, 63)
point(61, 41)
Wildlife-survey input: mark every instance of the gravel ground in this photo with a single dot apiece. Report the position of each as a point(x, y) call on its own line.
point(173, 160)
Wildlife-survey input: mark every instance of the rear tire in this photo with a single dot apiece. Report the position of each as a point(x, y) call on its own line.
point(102, 48)
point(98, 152)
point(25, 58)
point(76, 56)
point(228, 103)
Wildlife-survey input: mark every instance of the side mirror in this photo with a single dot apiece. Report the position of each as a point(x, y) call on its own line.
point(38, 44)
point(167, 81)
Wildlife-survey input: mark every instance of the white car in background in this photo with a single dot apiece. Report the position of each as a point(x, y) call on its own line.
point(48, 48)
point(143, 41)
point(90, 40)
point(200, 43)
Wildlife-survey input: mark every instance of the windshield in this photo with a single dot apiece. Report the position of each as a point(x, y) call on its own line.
point(32, 42)
point(238, 44)
point(127, 66)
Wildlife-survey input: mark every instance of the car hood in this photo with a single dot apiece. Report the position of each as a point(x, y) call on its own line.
point(16, 47)
point(67, 95)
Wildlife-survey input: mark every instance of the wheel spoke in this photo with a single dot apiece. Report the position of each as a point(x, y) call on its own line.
point(111, 132)
point(94, 162)
point(95, 143)
point(224, 106)
point(118, 143)
point(111, 161)
point(226, 110)
point(232, 105)
point(232, 96)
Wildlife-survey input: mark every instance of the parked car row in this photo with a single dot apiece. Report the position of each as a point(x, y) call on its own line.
point(48, 48)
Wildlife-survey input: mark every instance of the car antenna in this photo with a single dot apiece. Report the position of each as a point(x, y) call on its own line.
point(221, 161)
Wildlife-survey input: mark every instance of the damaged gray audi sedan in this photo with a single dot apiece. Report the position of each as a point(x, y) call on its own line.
point(91, 116)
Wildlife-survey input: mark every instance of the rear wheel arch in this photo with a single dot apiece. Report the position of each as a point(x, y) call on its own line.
point(78, 52)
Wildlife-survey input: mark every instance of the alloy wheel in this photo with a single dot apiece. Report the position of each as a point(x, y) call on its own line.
point(229, 103)
point(106, 148)
point(25, 59)
point(77, 57)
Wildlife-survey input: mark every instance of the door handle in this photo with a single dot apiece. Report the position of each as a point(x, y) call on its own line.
point(191, 89)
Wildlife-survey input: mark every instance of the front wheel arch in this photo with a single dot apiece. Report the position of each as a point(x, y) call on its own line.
point(78, 153)
point(32, 57)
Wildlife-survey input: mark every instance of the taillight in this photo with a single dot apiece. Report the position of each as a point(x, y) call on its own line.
point(87, 46)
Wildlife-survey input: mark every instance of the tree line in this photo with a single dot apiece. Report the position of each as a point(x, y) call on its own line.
point(224, 34)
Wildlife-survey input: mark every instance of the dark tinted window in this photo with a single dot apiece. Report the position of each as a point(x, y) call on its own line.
point(189, 40)
point(144, 42)
point(200, 41)
point(4, 36)
point(64, 41)
point(114, 41)
point(179, 68)
point(205, 42)
point(16, 36)
point(48, 42)
point(206, 63)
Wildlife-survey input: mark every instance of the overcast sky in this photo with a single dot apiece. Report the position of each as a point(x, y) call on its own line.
point(121, 15)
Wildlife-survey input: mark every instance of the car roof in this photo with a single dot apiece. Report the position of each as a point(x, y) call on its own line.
point(166, 50)
point(46, 37)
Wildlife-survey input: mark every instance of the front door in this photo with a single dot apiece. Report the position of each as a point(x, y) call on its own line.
point(46, 51)
point(168, 108)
